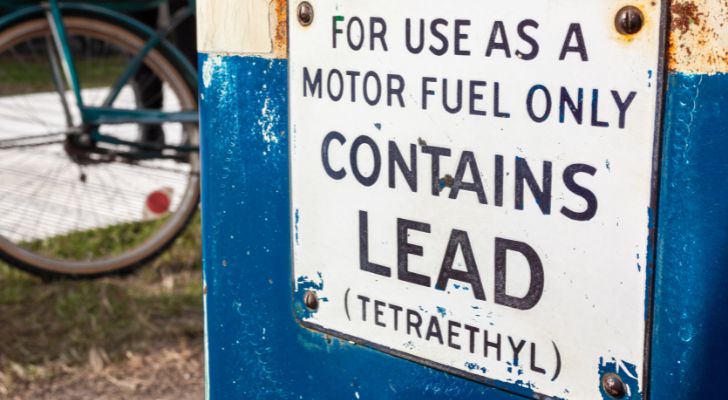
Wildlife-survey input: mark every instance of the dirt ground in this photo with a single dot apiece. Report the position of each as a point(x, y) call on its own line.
point(173, 372)
point(138, 336)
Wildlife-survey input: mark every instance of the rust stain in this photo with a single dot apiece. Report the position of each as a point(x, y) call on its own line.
point(684, 15)
point(698, 36)
point(650, 20)
point(280, 34)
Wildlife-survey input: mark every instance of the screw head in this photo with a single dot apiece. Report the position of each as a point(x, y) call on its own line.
point(305, 13)
point(613, 385)
point(629, 20)
point(310, 300)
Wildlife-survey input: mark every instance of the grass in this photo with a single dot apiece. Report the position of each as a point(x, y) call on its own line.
point(49, 327)
point(99, 242)
point(36, 76)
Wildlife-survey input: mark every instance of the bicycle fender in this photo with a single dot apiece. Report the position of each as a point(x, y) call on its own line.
point(114, 16)
point(19, 15)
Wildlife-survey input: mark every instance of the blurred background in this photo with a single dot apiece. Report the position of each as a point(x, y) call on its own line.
point(137, 334)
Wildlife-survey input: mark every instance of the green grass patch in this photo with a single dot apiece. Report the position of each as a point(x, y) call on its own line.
point(36, 76)
point(95, 243)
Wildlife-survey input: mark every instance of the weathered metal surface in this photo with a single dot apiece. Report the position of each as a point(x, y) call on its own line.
point(396, 241)
point(251, 27)
point(690, 325)
point(699, 36)
point(279, 19)
point(255, 349)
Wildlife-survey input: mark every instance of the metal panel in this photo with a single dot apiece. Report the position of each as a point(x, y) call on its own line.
point(256, 350)
point(689, 321)
point(690, 324)
point(590, 268)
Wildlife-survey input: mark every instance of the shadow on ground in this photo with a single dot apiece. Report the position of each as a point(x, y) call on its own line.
point(138, 336)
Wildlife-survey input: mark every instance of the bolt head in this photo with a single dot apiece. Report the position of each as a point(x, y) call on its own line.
point(311, 300)
point(305, 13)
point(629, 20)
point(614, 386)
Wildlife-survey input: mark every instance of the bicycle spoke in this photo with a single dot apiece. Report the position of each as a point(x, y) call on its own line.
point(61, 185)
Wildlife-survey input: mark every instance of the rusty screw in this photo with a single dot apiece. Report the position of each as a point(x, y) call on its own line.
point(310, 300)
point(629, 20)
point(613, 385)
point(305, 13)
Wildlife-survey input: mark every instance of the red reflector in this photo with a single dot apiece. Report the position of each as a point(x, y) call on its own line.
point(158, 202)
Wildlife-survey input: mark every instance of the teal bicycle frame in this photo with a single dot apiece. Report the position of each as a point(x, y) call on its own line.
point(106, 114)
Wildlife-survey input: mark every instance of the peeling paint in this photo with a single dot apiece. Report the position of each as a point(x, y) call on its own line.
point(286, 361)
point(243, 27)
point(627, 372)
point(684, 15)
point(267, 123)
point(279, 25)
point(440, 385)
point(475, 367)
point(209, 67)
point(699, 36)
point(303, 285)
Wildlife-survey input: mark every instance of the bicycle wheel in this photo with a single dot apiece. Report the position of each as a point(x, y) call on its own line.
point(65, 210)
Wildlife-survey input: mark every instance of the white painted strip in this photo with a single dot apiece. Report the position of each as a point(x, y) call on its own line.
point(245, 27)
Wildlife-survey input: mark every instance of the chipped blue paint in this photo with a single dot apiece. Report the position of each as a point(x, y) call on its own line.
point(303, 285)
point(297, 222)
point(442, 183)
point(690, 327)
point(256, 349)
point(627, 372)
point(649, 78)
point(475, 367)
point(461, 287)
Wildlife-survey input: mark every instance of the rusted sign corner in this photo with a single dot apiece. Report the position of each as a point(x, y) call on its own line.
point(279, 27)
point(698, 36)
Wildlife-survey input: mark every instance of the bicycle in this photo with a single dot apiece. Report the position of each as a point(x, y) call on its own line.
point(82, 192)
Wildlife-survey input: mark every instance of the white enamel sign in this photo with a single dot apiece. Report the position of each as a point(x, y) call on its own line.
point(472, 184)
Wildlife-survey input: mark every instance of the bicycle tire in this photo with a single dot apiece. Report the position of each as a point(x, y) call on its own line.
point(161, 65)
